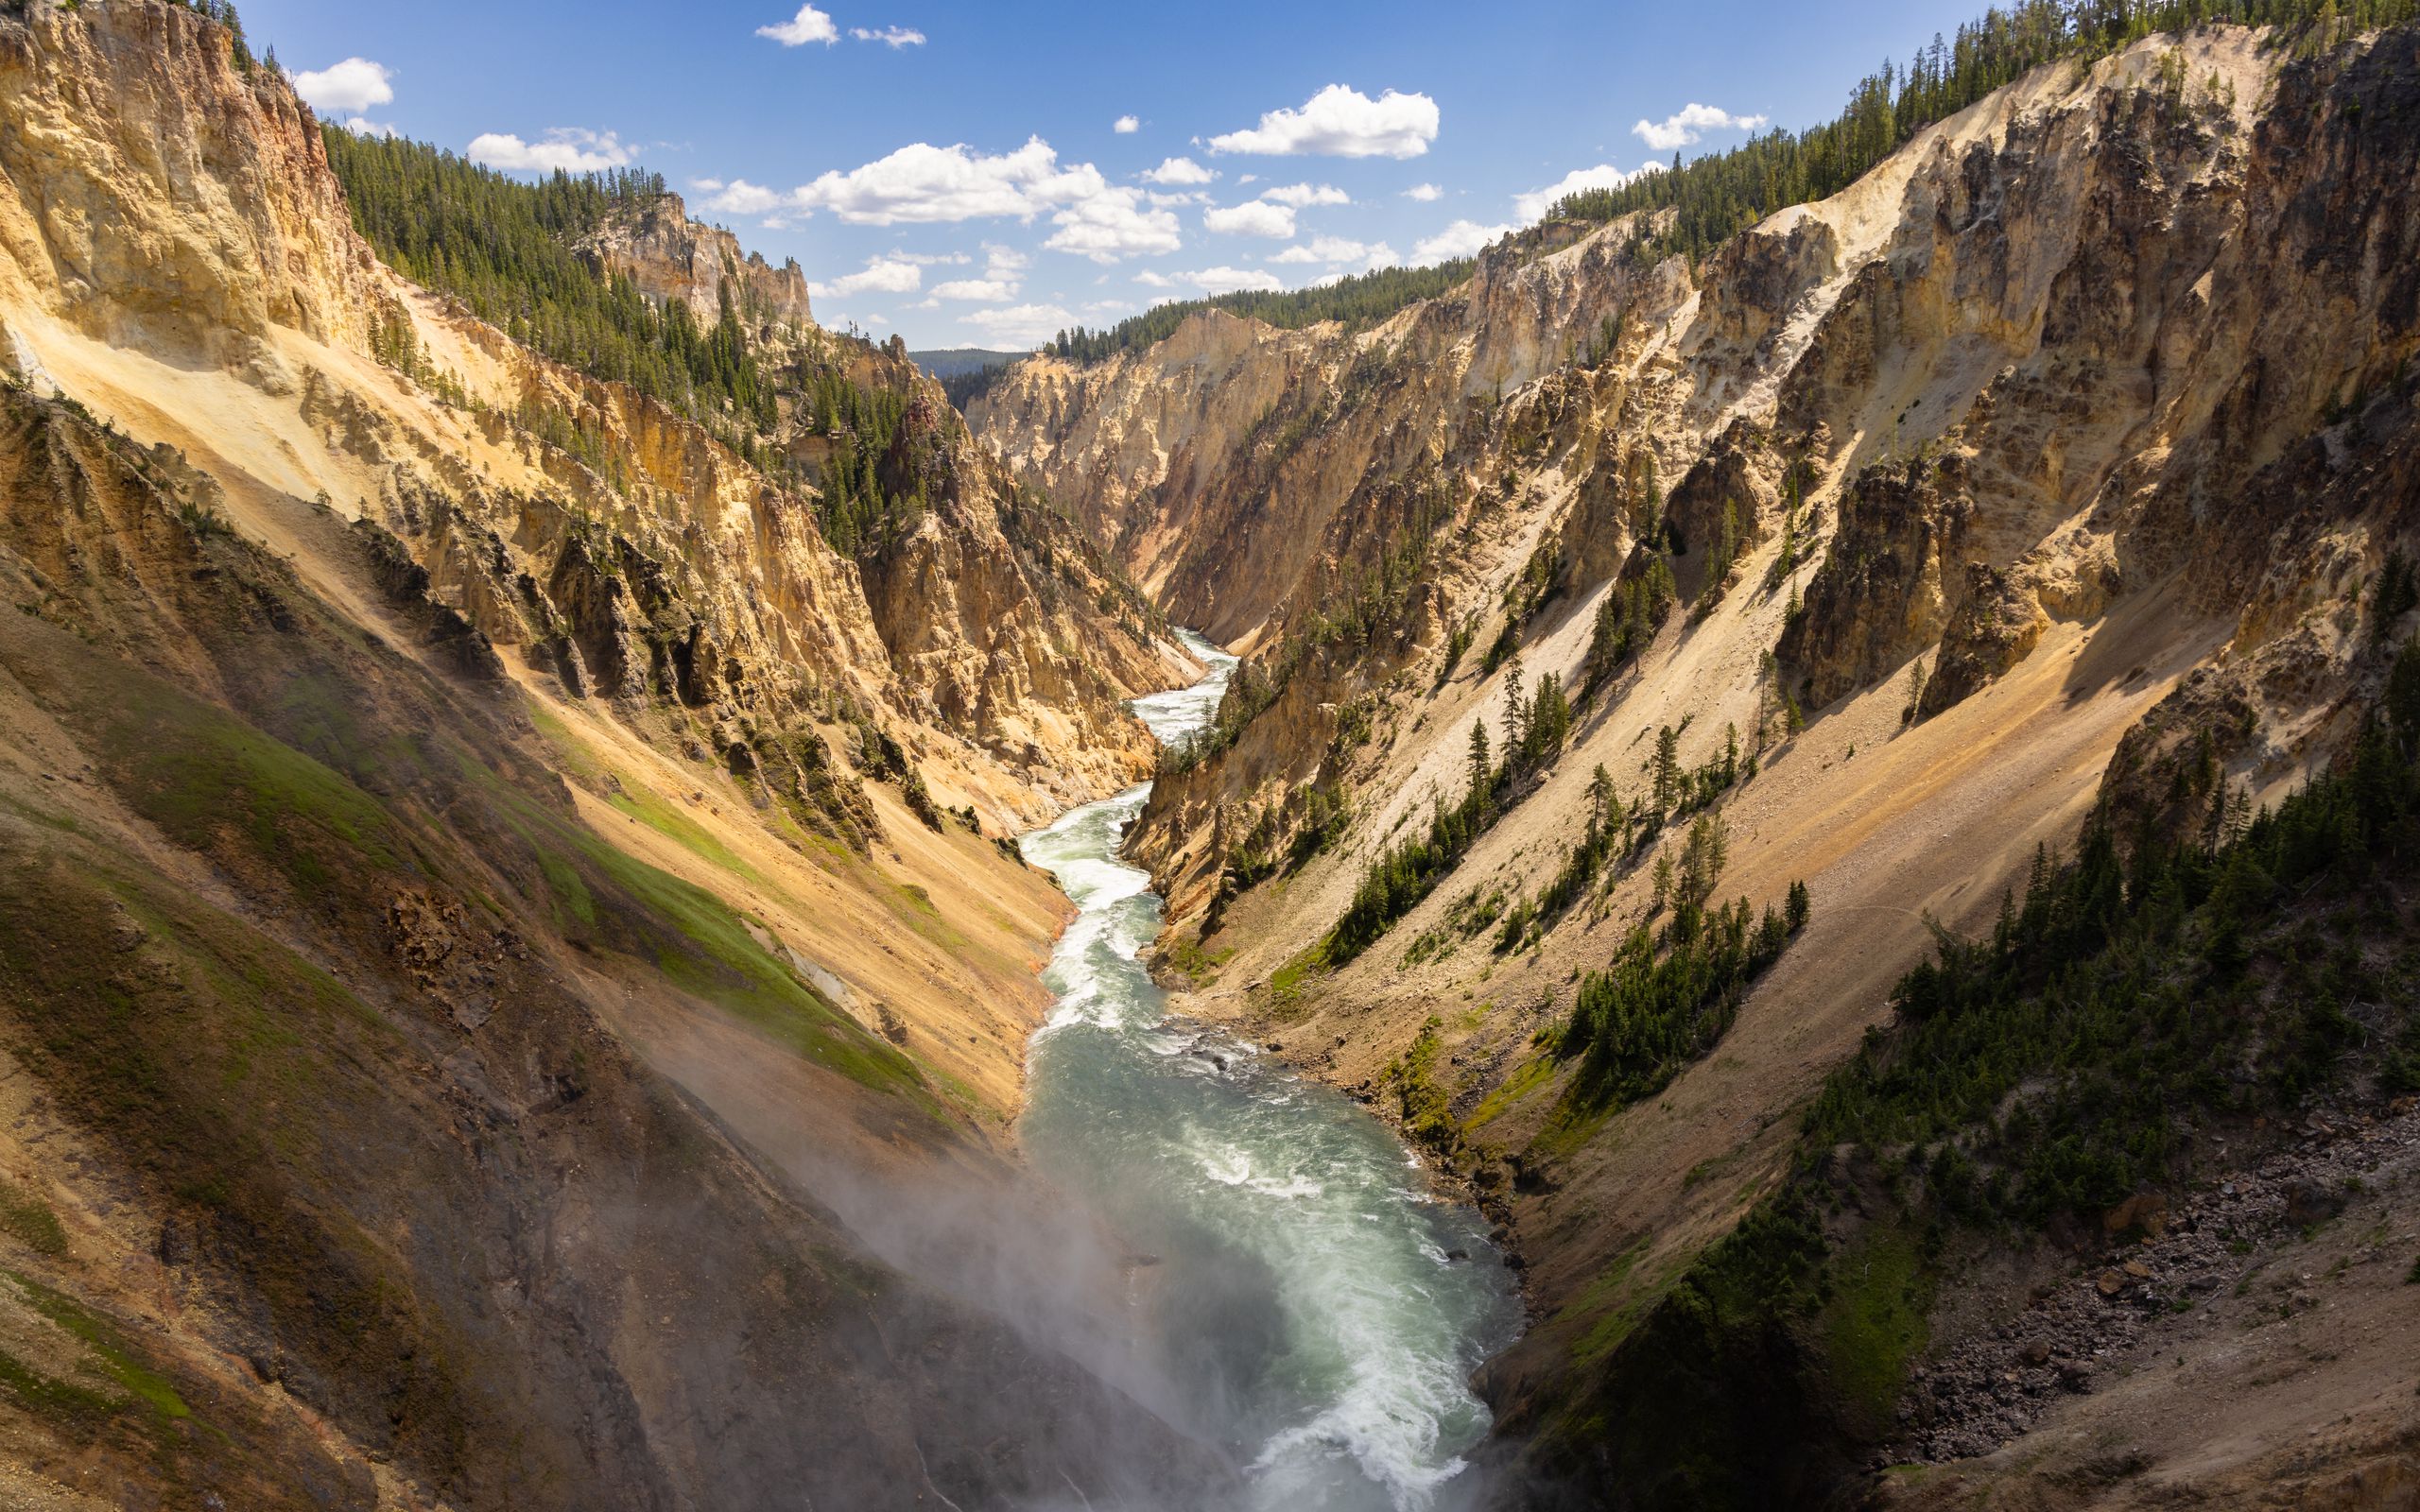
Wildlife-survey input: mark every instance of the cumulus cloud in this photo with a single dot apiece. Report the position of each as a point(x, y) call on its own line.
point(1169, 200)
point(350, 87)
point(1689, 123)
point(1301, 195)
point(1339, 122)
point(1424, 193)
point(1464, 238)
point(1253, 217)
point(978, 290)
point(892, 36)
point(809, 25)
point(1332, 251)
point(998, 285)
point(1603, 176)
point(1179, 171)
point(883, 275)
point(1224, 280)
point(922, 184)
point(363, 125)
point(737, 198)
point(567, 147)
point(1126, 126)
point(1155, 281)
point(929, 185)
point(1108, 225)
point(1020, 325)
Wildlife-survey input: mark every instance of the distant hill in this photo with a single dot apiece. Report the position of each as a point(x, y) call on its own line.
point(965, 372)
point(953, 361)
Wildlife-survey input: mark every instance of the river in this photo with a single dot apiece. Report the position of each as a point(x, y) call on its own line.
point(1318, 1307)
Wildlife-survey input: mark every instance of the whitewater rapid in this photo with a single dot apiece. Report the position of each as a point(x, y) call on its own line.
point(1319, 1310)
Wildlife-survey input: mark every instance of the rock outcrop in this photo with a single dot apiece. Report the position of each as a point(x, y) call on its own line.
point(671, 257)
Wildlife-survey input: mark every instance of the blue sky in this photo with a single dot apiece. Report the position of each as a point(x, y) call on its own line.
point(959, 174)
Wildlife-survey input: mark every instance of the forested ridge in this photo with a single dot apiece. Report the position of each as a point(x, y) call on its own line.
point(1358, 300)
point(1715, 196)
point(506, 250)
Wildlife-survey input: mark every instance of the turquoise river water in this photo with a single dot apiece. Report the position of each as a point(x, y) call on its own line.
point(1318, 1309)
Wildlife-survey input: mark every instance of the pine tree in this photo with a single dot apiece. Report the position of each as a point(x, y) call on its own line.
point(1667, 769)
point(1603, 799)
point(1516, 713)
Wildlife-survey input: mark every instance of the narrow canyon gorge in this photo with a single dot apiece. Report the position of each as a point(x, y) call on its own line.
point(1734, 858)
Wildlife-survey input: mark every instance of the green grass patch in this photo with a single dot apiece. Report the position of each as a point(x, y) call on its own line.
point(682, 831)
point(571, 753)
point(29, 1220)
point(1428, 1113)
point(1200, 968)
point(1873, 1325)
point(199, 773)
point(697, 942)
point(66, 1404)
point(107, 1346)
point(1527, 1077)
point(1612, 1316)
point(1290, 983)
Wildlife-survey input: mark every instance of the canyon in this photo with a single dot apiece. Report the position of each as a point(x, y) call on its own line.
point(520, 965)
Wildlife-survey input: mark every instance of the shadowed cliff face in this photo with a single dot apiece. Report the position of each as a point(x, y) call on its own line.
point(379, 1063)
point(2048, 469)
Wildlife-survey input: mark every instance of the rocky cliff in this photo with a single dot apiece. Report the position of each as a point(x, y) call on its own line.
point(671, 257)
point(2063, 451)
point(510, 976)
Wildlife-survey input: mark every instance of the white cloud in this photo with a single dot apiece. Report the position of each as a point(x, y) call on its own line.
point(924, 183)
point(1108, 224)
point(1224, 280)
point(892, 37)
point(567, 147)
point(351, 86)
point(1690, 122)
point(737, 198)
point(1166, 200)
point(1332, 249)
point(930, 259)
point(1464, 238)
point(1424, 193)
point(363, 125)
point(1300, 195)
point(999, 261)
point(1339, 122)
point(809, 25)
point(1253, 217)
point(1155, 281)
point(1020, 325)
point(1126, 126)
point(1603, 176)
point(1179, 171)
point(978, 290)
point(884, 275)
